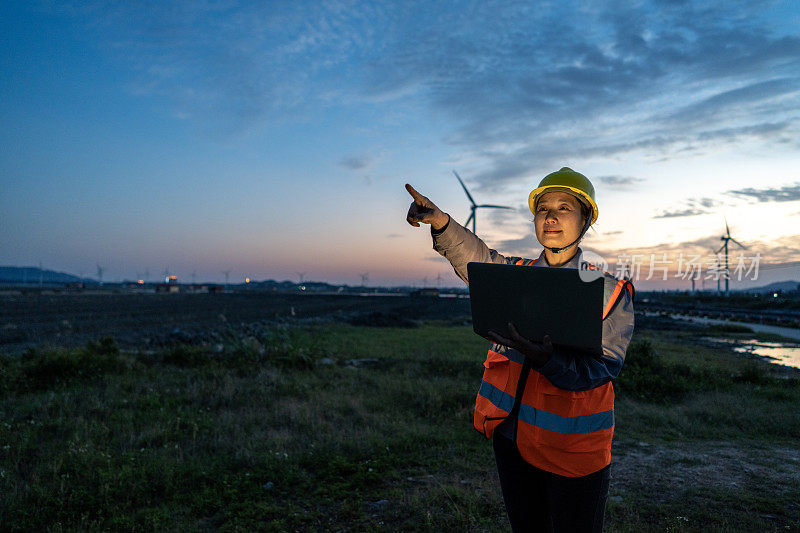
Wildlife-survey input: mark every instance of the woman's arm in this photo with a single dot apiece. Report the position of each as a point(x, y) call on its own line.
point(456, 243)
point(460, 246)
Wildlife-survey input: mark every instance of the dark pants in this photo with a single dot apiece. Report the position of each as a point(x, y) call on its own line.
point(537, 500)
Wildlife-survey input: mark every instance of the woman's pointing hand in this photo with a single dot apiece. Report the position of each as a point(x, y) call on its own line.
point(425, 211)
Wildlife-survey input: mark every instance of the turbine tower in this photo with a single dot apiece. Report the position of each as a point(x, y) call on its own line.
point(474, 207)
point(227, 277)
point(727, 237)
point(100, 274)
point(364, 279)
point(301, 276)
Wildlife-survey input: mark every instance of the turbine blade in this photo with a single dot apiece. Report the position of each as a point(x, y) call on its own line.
point(471, 216)
point(740, 244)
point(497, 206)
point(727, 230)
point(464, 187)
point(720, 249)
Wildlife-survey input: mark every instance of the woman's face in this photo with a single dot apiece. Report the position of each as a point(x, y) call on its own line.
point(558, 219)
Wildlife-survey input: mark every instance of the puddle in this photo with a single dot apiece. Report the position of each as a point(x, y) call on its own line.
point(780, 353)
point(789, 333)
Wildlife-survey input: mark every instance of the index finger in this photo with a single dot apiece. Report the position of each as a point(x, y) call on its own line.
point(414, 194)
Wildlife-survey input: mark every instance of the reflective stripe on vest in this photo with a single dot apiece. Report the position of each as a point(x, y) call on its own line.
point(550, 421)
point(561, 431)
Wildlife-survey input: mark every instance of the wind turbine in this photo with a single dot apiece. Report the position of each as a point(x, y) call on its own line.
point(301, 275)
point(227, 276)
point(100, 274)
point(727, 237)
point(716, 254)
point(364, 279)
point(474, 207)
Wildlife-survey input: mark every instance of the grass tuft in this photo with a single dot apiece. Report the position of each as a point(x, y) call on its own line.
point(49, 367)
point(646, 376)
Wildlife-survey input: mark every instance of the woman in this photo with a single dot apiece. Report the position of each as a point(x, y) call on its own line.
point(550, 412)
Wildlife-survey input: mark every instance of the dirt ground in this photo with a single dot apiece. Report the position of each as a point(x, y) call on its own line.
point(719, 471)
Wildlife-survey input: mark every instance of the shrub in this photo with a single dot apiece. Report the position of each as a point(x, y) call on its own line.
point(646, 376)
point(185, 356)
point(278, 347)
point(44, 368)
point(752, 372)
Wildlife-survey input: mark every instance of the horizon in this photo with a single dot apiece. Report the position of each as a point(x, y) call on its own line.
point(747, 284)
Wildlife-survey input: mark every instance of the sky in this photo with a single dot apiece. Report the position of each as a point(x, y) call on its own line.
point(272, 138)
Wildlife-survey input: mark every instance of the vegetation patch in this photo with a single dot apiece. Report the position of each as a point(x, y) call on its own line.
point(269, 428)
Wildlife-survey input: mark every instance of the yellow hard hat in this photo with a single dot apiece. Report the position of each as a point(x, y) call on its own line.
point(569, 181)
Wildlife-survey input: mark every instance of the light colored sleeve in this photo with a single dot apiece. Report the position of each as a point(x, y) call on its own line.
point(460, 246)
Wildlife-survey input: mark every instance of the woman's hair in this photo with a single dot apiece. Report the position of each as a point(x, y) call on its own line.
point(586, 211)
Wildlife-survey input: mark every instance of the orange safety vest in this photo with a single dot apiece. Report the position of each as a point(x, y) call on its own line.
point(561, 431)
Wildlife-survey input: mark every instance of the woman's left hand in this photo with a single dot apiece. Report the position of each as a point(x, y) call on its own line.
point(538, 352)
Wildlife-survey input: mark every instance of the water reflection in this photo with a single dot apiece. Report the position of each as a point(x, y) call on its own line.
point(777, 352)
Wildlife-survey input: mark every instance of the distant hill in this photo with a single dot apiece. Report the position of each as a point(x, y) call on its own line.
point(291, 285)
point(12, 274)
point(785, 286)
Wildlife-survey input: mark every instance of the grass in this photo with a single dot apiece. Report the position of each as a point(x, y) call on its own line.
point(284, 431)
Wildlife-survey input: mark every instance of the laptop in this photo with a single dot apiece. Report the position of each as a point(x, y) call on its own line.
point(539, 301)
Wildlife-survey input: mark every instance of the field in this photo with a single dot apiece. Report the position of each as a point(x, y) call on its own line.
point(157, 320)
point(350, 414)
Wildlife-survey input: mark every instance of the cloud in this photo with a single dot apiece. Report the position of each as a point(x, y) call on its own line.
point(519, 89)
point(521, 247)
point(778, 254)
point(620, 182)
point(506, 217)
point(681, 213)
point(569, 84)
point(237, 64)
point(696, 206)
point(787, 193)
point(356, 162)
point(734, 101)
point(705, 205)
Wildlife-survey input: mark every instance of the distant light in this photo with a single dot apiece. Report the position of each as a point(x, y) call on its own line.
point(247, 280)
point(140, 282)
point(774, 294)
point(302, 287)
